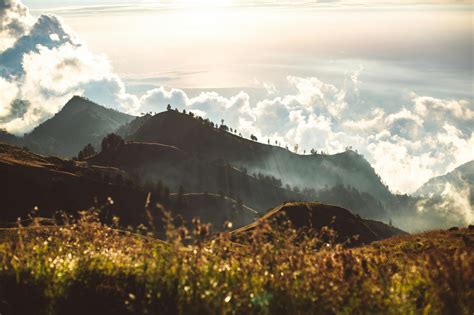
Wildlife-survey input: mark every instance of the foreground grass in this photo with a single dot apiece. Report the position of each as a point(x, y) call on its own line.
point(88, 268)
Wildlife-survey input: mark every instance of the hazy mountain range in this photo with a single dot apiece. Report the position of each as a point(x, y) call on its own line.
point(202, 162)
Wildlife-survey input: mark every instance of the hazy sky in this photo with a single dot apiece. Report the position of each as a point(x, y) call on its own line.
point(393, 79)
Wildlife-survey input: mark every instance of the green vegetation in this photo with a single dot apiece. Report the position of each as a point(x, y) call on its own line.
point(85, 267)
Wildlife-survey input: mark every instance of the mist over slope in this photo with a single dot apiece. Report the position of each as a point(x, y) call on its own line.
point(179, 170)
point(451, 195)
point(208, 140)
point(191, 154)
point(460, 178)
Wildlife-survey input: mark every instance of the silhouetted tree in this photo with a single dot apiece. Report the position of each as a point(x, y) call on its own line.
point(87, 151)
point(168, 108)
point(111, 142)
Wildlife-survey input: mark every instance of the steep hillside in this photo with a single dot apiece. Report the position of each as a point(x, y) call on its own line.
point(135, 154)
point(317, 215)
point(51, 184)
point(200, 138)
point(79, 122)
point(151, 162)
point(212, 208)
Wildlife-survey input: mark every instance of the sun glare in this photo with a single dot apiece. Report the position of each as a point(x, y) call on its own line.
point(203, 3)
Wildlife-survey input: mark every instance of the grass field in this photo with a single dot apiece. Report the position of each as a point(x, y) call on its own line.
point(87, 268)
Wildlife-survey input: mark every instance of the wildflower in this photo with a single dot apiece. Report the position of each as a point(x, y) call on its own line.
point(110, 201)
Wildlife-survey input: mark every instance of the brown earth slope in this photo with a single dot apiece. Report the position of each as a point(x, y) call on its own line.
point(317, 215)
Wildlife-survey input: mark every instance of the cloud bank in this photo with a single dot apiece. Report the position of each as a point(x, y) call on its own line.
point(43, 64)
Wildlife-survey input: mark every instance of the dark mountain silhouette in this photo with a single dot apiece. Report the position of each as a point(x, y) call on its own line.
point(203, 140)
point(42, 185)
point(303, 215)
point(213, 208)
point(53, 184)
point(190, 153)
point(152, 162)
point(80, 122)
point(131, 127)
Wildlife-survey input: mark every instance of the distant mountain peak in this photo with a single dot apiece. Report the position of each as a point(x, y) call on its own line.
point(81, 102)
point(461, 176)
point(79, 122)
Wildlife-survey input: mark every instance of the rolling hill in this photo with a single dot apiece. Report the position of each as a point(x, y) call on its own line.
point(317, 215)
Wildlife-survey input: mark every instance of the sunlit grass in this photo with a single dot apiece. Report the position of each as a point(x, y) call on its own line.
point(86, 267)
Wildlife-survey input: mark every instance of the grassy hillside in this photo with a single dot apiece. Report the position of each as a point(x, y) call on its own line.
point(87, 268)
point(315, 216)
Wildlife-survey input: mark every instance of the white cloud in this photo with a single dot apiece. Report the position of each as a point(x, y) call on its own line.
point(8, 92)
point(45, 64)
point(406, 147)
point(14, 20)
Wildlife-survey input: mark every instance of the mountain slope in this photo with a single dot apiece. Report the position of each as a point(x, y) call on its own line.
point(153, 162)
point(79, 122)
point(199, 138)
point(52, 184)
point(460, 178)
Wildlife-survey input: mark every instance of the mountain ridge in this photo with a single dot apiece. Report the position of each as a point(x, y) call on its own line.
point(78, 123)
point(202, 138)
